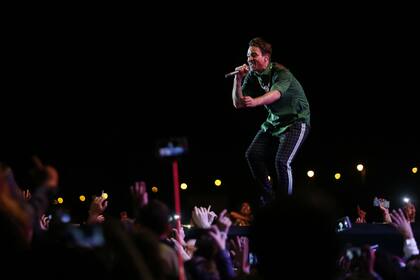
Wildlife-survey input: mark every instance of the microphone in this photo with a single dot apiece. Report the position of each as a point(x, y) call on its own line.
point(232, 73)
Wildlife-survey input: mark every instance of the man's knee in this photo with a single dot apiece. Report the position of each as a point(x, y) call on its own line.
point(253, 155)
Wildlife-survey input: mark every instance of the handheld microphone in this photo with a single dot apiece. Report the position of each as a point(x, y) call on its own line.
point(232, 73)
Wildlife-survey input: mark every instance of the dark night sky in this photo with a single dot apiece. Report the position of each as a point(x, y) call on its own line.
point(115, 85)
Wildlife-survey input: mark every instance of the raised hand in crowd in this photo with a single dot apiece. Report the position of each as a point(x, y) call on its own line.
point(26, 194)
point(219, 237)
point(240, 253)
point(180, 235)
point(203, 217)
point(385, 211)
point(361, 219)
point(97, 208)
point(190, 247)
point(224, 222)
point(44, 222)
point(402, 224)
point(180, 244)
point(139, 194)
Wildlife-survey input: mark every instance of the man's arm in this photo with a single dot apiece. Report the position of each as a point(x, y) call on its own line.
point(237, 95)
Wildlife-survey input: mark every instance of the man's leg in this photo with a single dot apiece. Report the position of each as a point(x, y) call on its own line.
point(258, 154)
point(289, 144)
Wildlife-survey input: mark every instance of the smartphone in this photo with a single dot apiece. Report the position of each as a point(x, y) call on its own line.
point(343, 224)
point(377, 202)
point(252, 259)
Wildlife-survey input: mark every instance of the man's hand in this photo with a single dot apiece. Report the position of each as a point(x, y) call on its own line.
point(249, 102)
point(97, 207)
point(385, 212)
point(362, 216)
point(240, 252)
point(243, 70)
point(26, 195)
point(266, 99)
point(223, 222)
point(400, 222)
point(139, 194)
point(202, 217)
point(181, 249)
point(180, 236)
point(219, 237)
point(44, 222)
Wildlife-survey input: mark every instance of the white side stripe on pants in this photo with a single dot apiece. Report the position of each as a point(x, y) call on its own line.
point(289, 169)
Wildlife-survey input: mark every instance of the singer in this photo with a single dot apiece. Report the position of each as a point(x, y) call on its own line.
point(269, 84)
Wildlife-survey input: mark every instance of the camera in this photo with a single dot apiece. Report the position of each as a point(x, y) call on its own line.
point(252, 259)
point(172, 147)
point(378, 201)
point(343, 224)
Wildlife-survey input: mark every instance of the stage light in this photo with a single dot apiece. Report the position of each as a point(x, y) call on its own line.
point(414, 169)
point(104, 195)
point(406, 200)
point(310, 173)
point(60, 200)
point(184, 186)
point(337, 176)
point(360, 167)
point(82, 198)
point(269, 178)
point(155, 189)
point(217, 183)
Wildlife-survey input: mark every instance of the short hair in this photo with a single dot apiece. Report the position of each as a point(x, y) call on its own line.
point(155, 216)
point(264, 46)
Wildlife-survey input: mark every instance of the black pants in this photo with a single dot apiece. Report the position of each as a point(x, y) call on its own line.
point(261, 153)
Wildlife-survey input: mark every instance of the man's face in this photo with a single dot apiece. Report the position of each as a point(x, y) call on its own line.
point(256, 61)
point(245, 209)
point(409, 209)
